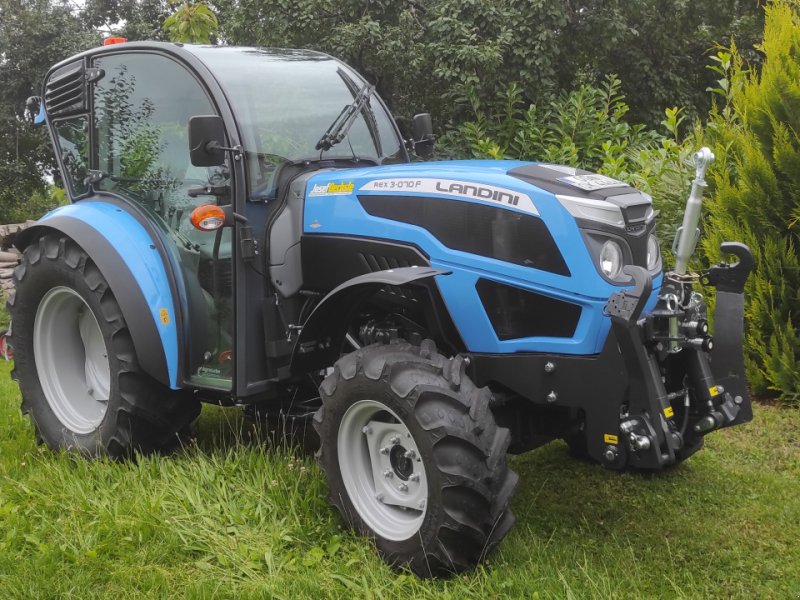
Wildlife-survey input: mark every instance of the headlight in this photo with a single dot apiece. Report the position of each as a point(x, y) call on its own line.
point(653, 252)
point(611, 259)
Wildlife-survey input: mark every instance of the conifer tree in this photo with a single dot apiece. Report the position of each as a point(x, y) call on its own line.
point(756, 196)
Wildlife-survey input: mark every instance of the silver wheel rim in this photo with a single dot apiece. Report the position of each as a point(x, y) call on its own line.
point(382, 470)
point(71, 360)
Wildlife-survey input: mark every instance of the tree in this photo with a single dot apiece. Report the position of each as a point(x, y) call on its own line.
point(756, 195)
point(192, 23)
point(34, 34)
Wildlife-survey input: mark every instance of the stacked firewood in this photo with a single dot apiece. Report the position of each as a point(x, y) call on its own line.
point(9, 256)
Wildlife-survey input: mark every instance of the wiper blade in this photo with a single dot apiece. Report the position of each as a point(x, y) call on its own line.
point(341, 125)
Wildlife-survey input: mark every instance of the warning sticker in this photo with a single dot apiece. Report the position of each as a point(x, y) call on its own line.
point(668, 412)
point(609, 438)
point(164, 314)
point(714, 391)
point(592, 182)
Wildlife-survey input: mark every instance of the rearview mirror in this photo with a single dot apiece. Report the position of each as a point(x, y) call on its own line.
point(206, 141)
point(422, 134)
point(33, 110)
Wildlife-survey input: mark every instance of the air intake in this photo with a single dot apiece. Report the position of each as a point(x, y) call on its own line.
point(65, 92)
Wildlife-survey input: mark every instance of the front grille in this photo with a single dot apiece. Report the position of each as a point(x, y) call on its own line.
point(516, 313)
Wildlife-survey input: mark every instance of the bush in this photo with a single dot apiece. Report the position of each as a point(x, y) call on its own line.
point(34, 207)
point(756, 197)
point(586, 128)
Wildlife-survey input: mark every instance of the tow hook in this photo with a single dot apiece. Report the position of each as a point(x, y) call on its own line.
point(724, 414)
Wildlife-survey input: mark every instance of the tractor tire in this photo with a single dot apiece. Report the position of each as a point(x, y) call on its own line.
point(76, 365)
point(414, 458)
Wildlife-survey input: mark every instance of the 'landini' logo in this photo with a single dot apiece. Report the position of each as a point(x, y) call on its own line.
point(469, 191)
point(484, 193)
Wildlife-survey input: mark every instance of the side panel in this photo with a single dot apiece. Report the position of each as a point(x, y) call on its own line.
point(333, 206)
point(129, 260)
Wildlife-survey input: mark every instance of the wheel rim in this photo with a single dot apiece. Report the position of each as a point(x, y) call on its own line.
point(382, 470)
point(71, 360)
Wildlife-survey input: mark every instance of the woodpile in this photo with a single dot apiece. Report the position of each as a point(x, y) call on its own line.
point(9, 256)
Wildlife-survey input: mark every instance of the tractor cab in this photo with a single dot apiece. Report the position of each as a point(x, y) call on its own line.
point(120, 120)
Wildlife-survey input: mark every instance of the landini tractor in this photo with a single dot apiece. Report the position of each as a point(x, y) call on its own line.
point(246, 228)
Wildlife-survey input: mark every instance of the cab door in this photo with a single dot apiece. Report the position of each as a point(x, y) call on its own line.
point(141, 105)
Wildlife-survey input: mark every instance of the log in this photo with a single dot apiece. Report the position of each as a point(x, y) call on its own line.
point(6, 273)
point(9, 256)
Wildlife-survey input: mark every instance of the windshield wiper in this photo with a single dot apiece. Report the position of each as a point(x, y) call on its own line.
point(341, 125)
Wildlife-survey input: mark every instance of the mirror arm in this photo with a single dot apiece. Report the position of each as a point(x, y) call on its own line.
point(215, 145)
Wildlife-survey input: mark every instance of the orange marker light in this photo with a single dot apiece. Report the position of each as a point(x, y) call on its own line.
point(110, 41)
point(208, 217)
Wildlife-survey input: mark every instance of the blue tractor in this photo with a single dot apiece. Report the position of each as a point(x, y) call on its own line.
point(246, 228)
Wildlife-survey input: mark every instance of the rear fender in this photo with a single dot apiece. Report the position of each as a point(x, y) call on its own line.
point(129, 259)
point(320, 341)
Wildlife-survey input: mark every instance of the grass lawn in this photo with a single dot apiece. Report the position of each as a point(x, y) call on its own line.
point(231, 518)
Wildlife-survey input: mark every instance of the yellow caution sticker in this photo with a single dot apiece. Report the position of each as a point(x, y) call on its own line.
point(714, 391)
point(668, 412)
point(164, 314)
point(610, 438)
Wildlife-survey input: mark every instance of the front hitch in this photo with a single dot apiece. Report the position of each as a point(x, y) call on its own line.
point(727, 361)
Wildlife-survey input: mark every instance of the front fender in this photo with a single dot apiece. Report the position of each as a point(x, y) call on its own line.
point(128, 257)
point(320, 341)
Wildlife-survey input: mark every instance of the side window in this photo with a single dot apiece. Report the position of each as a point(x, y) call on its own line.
point(73, 143)
point(142, 106)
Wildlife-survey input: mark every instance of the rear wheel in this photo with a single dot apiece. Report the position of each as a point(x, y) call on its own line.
point(76, 364)
point(414, 458)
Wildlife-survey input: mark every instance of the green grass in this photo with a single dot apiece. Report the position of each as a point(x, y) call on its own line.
point(233, 518)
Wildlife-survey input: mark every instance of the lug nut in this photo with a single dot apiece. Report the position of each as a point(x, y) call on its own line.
point(366, 430)
point(414, 477)
point(395, 439)
point(410, 454)
point(610, 454)
point(402, 487)
point(388, 473)
point(385, 450)
point(552, 397)
point(379, 497)
point(549, 367)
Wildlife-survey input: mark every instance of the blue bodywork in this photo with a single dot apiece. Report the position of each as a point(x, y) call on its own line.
point(341, 213)
point(137, 251)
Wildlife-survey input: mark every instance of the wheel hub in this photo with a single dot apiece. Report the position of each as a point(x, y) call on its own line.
point(382, 470)
point(71, 360)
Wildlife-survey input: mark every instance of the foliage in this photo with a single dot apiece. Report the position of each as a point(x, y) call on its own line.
point(131, 19)
point(191, 23)
point(756, 196)
point(39, 203)
point(422, 54)
point(34, 35)
point(658, 48)
point(586, 128)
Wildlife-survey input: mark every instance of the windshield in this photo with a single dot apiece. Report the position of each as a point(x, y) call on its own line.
point(286, 100)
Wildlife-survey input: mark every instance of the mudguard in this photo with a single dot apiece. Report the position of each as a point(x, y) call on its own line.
point(320, 341)
point(128, 258)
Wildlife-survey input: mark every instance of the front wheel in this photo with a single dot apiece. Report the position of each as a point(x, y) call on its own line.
point(76, 364)
point(414, 458)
